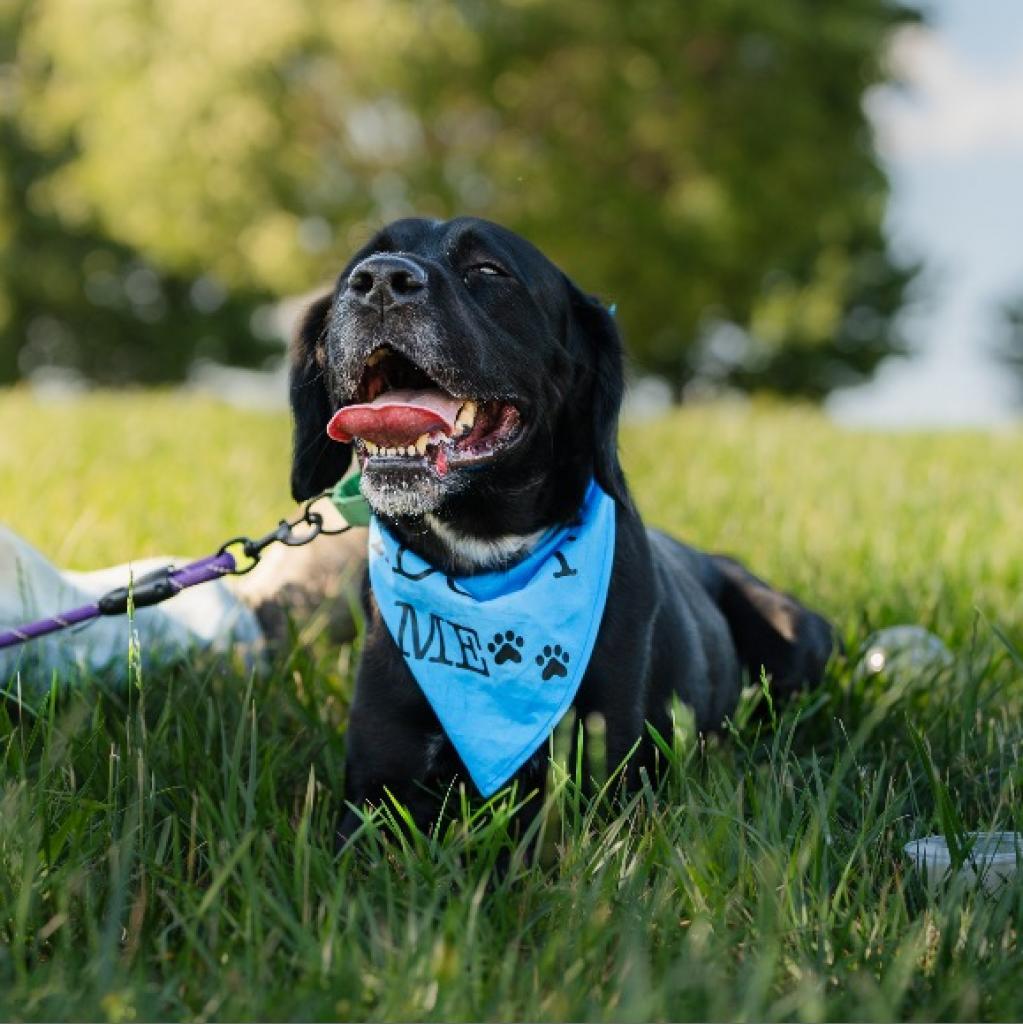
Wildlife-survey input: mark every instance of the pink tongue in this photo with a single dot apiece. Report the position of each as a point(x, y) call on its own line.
point(396, 417)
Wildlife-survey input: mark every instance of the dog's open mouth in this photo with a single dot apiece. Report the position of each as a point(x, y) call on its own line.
point(404, 417)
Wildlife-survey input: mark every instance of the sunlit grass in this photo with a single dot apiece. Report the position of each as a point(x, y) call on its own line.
point(167, 852)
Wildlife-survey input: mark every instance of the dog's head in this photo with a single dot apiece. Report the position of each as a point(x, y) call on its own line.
point(475, 382)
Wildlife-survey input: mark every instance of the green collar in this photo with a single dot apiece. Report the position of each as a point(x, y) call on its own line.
point(348, 500)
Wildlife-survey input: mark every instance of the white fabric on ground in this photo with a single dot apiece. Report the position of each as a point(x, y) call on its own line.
point(206, 617)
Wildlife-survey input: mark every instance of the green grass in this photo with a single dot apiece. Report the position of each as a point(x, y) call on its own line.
point(167, 851)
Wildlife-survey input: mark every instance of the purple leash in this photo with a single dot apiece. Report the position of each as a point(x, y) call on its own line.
point(164, 583)
point(150, 589)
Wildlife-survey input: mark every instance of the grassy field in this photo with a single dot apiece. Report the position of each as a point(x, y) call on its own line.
point(167, 851)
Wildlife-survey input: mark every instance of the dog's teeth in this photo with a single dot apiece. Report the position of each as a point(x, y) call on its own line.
point(376, 357)
point(466, 416)
point(419, 448)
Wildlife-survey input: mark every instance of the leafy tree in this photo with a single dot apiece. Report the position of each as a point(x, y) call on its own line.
point(706, 166)
point(1011, 352)
point(73, 297)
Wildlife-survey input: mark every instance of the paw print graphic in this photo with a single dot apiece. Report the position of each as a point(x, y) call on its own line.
point(553, 661)
point(505, 646)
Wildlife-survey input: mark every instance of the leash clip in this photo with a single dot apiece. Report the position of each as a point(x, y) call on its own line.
point(284, 533)
point(252, 549)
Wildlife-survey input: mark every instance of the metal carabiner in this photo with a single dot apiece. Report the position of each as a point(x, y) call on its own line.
point(284, 533)
point(311, 519)
point(310, 516)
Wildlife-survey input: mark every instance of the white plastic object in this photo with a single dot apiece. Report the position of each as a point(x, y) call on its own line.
point(992, 861)
point(903, 649)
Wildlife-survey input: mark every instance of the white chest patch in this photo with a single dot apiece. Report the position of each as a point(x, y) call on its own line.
point(470, 552)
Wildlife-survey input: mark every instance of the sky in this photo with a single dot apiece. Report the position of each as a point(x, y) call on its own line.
point(952, 142)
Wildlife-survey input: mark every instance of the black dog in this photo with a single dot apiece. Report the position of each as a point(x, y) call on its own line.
point(479, 322)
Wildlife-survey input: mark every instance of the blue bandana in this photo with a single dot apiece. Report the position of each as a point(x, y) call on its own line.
point(500, 656)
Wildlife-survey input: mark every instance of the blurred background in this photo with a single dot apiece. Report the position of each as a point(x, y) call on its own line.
point(811, 201)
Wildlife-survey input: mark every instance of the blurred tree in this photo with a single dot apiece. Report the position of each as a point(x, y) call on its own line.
point(1011, 352)
point(73, 298)
point(707, 166)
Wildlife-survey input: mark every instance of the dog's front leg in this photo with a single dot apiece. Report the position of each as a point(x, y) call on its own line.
point(423, 807)
point(396, 749)
point(390, 760)
point(616, 688)
point(530, 790)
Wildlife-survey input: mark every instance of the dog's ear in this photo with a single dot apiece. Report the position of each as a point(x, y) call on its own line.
point(599, 345)
point(317, 461)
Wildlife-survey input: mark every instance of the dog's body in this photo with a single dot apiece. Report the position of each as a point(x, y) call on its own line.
point(466, 315)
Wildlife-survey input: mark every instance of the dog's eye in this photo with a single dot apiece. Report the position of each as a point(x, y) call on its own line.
point(484, 269)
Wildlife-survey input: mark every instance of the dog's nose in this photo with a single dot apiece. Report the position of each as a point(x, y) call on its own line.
point(388, 280)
